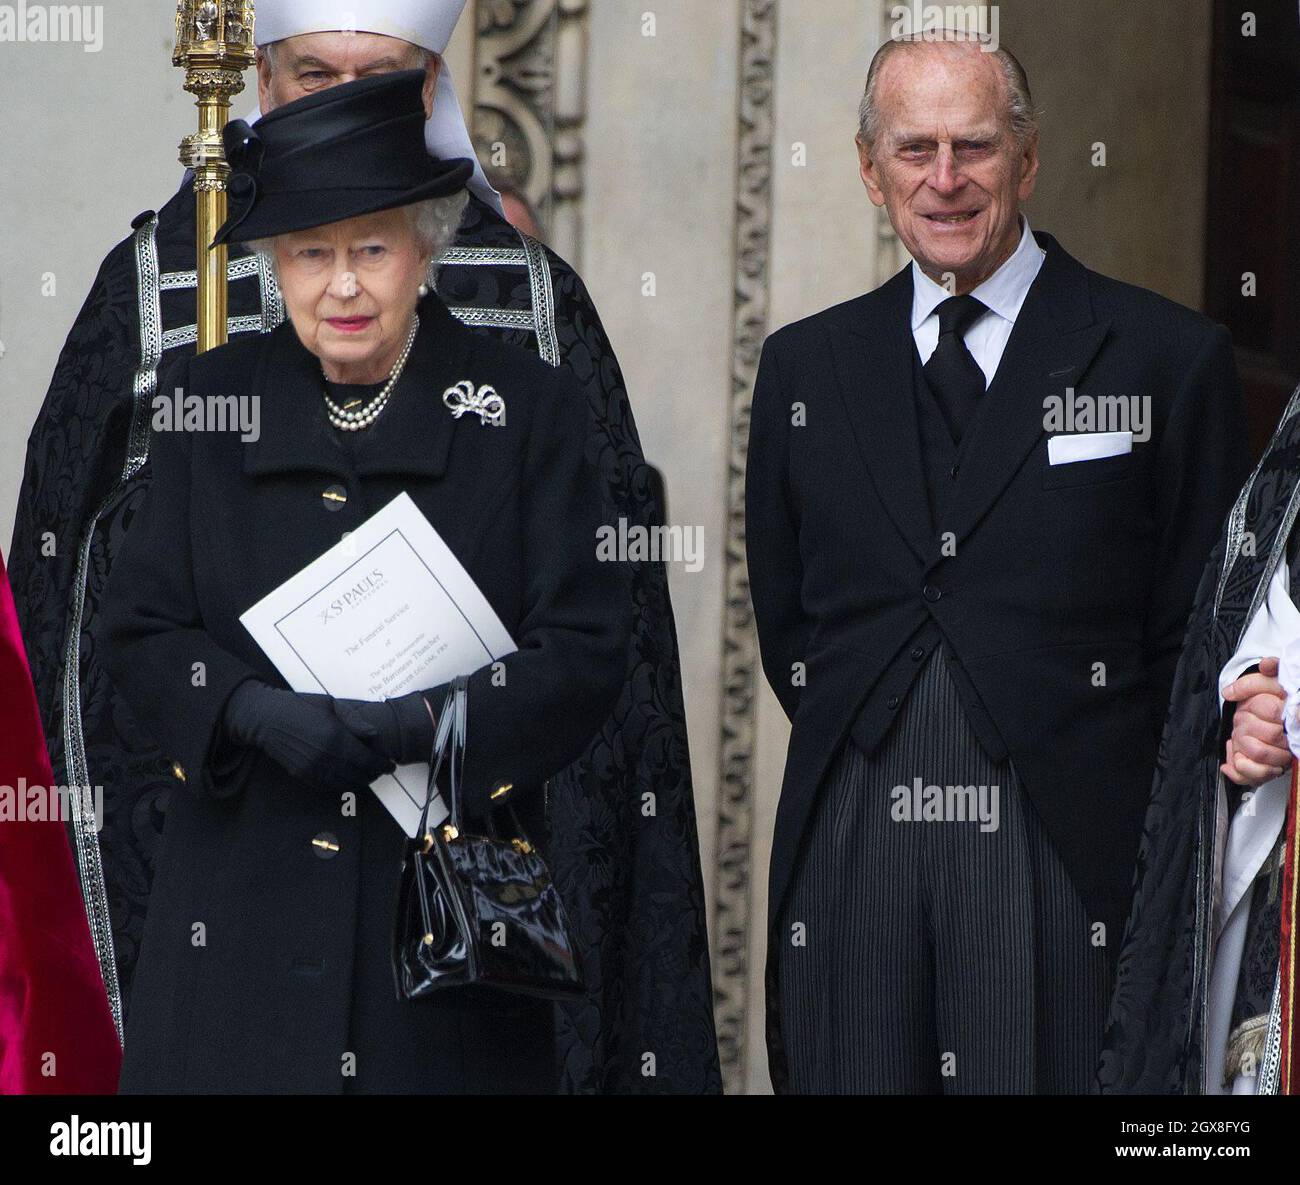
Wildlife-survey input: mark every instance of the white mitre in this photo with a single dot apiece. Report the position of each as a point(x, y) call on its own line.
point(426, 23)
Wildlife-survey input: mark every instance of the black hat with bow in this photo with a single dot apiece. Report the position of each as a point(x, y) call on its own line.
point(352, 149)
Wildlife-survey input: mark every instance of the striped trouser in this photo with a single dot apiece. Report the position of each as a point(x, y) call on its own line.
point(934, 957)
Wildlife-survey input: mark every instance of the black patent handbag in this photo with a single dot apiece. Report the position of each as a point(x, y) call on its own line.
point(478, 913)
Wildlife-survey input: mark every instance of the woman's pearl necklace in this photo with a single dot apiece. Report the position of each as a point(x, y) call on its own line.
point(355, 421)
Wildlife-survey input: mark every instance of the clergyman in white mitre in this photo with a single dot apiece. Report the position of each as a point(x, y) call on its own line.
point(307, 45)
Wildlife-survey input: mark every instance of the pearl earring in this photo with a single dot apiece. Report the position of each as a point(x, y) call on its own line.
point(424, 289)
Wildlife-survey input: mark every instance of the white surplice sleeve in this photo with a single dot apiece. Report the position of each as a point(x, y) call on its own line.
point(1271, 630)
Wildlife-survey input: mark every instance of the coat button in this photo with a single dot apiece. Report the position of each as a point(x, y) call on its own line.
point(178, 771)
point(918, 653)
point(335, 498)
point(326, 845)
point(500, 790)
point(932, 594)
point(894, 701)
point(955, 472)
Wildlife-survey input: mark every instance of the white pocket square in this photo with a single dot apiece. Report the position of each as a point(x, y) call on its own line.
point(1088, 446)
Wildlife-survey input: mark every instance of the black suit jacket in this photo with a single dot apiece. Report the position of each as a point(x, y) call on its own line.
point(1056, 568)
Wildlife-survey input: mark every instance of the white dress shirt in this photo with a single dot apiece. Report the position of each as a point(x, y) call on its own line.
point(1003, 292)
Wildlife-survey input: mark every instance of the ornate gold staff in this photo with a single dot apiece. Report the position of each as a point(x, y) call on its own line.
point(214, 44)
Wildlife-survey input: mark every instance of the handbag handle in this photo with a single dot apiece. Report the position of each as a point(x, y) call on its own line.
point(460, 709)
point(451, 727)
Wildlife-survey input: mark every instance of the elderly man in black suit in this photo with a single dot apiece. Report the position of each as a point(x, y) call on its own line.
point(979, 502)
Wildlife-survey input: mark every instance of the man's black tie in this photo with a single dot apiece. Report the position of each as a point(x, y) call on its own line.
point(952, 372)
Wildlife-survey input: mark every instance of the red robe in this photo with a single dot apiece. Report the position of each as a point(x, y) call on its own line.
point(56, 1029)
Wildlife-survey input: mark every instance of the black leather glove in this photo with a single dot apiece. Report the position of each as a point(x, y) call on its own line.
point(401, 728)
point(301, 734)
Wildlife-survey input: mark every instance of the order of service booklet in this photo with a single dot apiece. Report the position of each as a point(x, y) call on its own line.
point(387, 611)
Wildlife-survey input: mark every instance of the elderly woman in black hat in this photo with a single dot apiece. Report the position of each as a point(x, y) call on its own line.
point(265, 964)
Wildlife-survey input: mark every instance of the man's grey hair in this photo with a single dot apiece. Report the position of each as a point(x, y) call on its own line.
point(1022, 115)
point(421, 58)
point(434, 220)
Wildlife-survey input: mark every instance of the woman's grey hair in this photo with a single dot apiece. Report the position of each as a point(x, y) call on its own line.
point(435, 222)
point(1022, 114)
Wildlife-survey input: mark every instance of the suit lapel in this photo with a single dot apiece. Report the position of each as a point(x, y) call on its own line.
point(874, 370)
point(1055, 339)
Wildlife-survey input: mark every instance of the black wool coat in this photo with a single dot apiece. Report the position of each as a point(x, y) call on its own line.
point(245, 981)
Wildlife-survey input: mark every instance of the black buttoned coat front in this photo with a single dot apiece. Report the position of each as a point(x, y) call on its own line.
point(246, 974)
